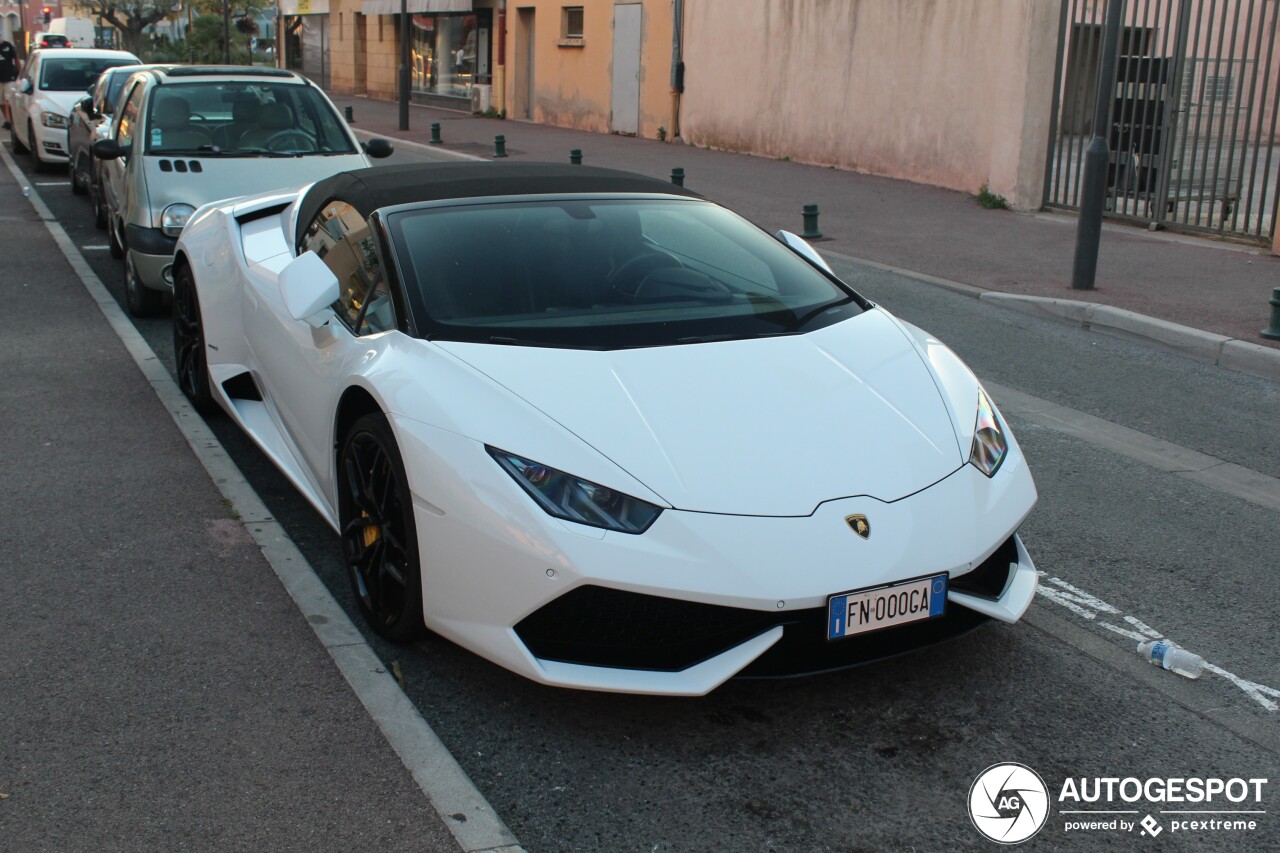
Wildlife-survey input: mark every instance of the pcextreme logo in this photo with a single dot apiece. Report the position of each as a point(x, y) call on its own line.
point(1008, 803)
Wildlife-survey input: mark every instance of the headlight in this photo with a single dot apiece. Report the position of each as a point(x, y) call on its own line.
point(573, 499)
point(989, 446)
point(175, 216)
point(53, 120)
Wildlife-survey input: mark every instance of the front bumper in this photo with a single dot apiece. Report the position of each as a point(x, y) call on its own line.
point(152, 255)
point(51, 143)
point(496, 561)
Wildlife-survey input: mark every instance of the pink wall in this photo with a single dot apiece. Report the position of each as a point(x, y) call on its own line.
point(955, 94)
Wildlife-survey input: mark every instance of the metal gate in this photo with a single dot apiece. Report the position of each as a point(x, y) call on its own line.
point(1195, 100)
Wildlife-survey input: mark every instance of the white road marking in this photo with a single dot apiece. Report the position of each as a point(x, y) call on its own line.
point(1088, 607)
point(52, 183)
point(462, 808)
point(94, 248)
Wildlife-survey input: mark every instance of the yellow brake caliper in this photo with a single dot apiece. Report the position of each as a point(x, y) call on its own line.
point(372, 532)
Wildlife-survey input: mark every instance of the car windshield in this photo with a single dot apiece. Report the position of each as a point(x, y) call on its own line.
point(243, 119)
point(606, 274)
point(74, 74)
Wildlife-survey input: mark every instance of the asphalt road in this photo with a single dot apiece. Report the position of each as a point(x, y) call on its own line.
point(883, 757)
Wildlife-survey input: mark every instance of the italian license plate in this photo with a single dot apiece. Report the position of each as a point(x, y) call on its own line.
point(861, 610)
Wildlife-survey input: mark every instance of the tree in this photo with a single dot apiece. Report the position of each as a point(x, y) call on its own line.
point(130, 17)
point(204, 43)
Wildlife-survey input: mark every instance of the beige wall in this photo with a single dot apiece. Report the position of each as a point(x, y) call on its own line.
point(379, 52)
point(956, 94)
point(573, 82)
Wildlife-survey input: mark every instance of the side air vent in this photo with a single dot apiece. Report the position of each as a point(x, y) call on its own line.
point(261, 213)
point(242, 387)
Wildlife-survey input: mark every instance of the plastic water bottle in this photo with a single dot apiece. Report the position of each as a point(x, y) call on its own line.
point(1166, 654)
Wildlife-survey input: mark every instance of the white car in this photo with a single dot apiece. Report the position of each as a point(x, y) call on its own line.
point(42, 98)
point(599, 430)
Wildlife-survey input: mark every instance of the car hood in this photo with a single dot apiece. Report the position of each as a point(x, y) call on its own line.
point(772, 427)
point(230, 177)
point(61, 103)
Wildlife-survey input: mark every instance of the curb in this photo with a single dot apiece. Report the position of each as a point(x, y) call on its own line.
point(1207, 347)
point(466, 814)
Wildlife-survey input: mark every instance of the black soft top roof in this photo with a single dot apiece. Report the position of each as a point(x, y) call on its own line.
point(383, 186)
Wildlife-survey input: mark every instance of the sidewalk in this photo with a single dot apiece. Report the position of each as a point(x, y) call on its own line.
point(1213, 286)
point(161, 690)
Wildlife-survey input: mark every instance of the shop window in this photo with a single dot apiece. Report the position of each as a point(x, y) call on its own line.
point(571, 22)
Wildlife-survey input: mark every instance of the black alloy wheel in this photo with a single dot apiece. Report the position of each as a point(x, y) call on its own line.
point(379, 536)
point(189, 353)
point(142, 300)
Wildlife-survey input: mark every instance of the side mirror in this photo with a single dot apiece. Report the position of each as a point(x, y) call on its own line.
point(25, 86)
point(377, 148)
point(801, 247)
point(109, 149)
point(307, 286)
point(86, 104)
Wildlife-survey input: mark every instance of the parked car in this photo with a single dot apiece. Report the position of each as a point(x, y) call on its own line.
point(42, 98)
point(77, 32)
point(54, 40)
point(91, 121)
point(185, 136)
point(602, 431)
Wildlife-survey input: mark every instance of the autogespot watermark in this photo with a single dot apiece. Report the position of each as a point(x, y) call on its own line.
point(1010, 803)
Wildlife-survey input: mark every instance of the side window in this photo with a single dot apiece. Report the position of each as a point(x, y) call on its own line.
point(100, 93)
point(341, 237)
point(129, 115)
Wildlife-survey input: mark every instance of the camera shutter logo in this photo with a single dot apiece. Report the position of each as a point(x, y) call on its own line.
point(1008, 803)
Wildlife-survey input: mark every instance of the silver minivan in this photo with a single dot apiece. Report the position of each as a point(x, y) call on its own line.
point(189, 135)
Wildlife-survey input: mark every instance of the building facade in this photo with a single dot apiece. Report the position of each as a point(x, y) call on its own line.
point(597, 65)
point(354, 45)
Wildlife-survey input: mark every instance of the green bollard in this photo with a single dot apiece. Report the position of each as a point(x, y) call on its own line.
point(1273, 332)
point(348, 115)
point(499, 146)
point(435, 134)
point(811, 231)
point(677, 176)
point(575, 156)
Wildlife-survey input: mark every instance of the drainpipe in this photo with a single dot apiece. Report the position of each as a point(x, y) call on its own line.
point(677, 64)
point(500, 66)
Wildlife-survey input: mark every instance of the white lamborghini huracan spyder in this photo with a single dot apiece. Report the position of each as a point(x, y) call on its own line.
point(600, 430)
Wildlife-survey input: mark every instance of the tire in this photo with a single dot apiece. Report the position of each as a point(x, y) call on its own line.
point(18, 147)
point(99, 207)
point(113, 238)
point(77, 187)
point(141, 300)
point(189, 354)
point(40, 165)
point(379, 535)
